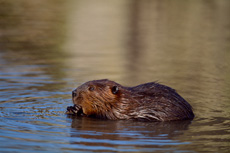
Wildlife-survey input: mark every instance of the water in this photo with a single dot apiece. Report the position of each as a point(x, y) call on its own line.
point(48, 48)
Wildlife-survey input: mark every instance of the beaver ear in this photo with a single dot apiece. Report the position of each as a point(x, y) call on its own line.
point(115, 89)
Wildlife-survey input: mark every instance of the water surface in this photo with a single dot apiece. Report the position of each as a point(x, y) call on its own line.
point(48, 48)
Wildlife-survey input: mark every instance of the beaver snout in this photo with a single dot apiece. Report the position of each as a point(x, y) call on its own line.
point(74, 93)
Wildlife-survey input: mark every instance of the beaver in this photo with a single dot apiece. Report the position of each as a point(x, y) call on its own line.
point(106, 99)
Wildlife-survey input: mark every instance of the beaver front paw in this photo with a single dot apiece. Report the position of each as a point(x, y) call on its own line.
point(74, 110)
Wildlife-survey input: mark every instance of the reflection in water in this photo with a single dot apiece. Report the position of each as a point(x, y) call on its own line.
point(48, 47)
point(31, 31)
point(176, 38)
point(31, 35)
point(125, 134)
point(96, 37)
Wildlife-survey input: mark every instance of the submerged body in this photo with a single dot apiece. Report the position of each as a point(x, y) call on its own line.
point(109, 100)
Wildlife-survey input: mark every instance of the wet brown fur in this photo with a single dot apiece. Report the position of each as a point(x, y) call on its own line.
point(150, 101)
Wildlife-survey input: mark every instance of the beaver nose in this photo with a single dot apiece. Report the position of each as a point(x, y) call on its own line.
point(74, 93)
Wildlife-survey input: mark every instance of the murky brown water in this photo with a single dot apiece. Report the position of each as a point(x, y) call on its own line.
point(49, 47)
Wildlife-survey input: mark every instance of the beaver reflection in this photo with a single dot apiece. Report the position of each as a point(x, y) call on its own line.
point(107, 99)
point(109, 133)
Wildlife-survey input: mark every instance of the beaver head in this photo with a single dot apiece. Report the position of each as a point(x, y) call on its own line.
point(151, 101)
point(100, 98)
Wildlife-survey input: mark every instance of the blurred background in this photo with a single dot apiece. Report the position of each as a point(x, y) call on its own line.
point(49, 47)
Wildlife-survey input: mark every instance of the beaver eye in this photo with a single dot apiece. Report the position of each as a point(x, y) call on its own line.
point(91, 88)
point(115, 89)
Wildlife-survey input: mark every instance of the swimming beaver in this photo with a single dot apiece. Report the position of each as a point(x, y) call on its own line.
point(107, 99)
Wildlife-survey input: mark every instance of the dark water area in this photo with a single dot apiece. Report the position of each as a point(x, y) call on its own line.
point(48, 48)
